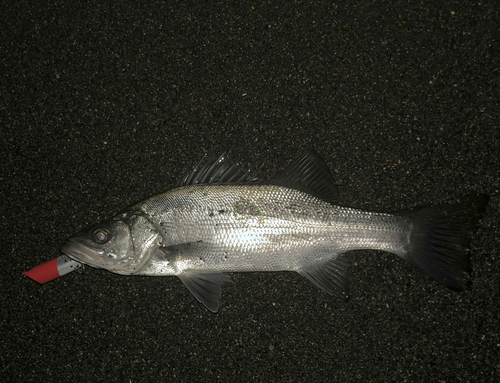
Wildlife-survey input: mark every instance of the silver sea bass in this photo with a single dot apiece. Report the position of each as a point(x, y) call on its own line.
point(219, 219)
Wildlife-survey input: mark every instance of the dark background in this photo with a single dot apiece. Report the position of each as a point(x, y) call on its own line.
point(103, 104)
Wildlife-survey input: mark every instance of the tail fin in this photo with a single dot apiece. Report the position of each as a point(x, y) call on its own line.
point(440, 239)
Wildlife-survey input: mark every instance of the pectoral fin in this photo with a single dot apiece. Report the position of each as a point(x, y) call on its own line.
point(330, 276)
point(206, 287)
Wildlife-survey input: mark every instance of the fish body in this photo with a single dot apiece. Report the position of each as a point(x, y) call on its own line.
point(233, 228)
point(220, 220)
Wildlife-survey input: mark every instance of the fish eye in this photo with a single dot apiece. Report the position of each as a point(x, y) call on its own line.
point(100, 235)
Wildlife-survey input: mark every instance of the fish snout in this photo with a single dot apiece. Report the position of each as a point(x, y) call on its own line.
point(81, 252)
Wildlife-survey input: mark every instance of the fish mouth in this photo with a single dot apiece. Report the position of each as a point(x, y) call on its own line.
point(82, 253)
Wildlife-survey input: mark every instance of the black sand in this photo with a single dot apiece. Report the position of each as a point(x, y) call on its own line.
point(104, 105)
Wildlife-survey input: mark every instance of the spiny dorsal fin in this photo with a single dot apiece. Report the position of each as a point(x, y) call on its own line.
point(216, 170)
point(309, 174)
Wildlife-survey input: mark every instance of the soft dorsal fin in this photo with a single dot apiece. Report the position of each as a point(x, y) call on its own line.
point(309, 174)
point(216, 170)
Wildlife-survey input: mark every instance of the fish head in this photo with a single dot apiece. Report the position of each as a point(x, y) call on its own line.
point(122, 245)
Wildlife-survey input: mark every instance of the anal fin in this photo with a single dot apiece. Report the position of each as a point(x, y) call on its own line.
point(330, 276)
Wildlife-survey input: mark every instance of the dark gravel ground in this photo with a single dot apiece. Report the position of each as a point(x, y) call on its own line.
point(104, 105)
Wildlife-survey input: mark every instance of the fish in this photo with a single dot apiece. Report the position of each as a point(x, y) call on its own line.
point(218, 219)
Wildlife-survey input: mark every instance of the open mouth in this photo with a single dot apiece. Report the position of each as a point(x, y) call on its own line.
point(81, 252)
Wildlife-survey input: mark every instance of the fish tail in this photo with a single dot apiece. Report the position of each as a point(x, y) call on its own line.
point(440, 239)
